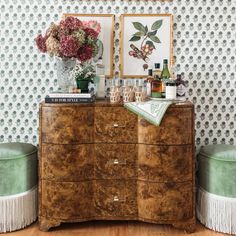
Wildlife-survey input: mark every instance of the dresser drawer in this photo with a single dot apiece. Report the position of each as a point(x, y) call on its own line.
point(115, 161)
point(67, 162)
point(115, 198)
point(165, 163)
point(67, 200)
point(175, 128)
point(65, 125)
point(115, 124)
point(165, 201)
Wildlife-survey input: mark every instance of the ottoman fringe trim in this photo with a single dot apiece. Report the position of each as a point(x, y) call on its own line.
point(216, 212)
point(18, 211)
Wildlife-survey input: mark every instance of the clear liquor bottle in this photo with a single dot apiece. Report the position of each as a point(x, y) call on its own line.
point(165, 76)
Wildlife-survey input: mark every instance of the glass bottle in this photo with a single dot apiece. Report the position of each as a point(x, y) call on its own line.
point(180, 86)
point(165, 76)
point(156, 87)
point(170, 89)
point(157, 71)
point(100, 67)
point(100, 79)
point(148, 82)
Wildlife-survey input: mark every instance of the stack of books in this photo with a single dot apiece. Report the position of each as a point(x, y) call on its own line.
point(62, 97)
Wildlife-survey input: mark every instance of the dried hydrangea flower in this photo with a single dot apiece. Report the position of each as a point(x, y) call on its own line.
point(52, 46)
point(80, 36)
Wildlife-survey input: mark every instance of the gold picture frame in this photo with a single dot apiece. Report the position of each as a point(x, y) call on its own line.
point(107, 22)
point(141, 36)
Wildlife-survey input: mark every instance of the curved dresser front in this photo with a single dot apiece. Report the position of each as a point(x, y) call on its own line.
point(101, 162)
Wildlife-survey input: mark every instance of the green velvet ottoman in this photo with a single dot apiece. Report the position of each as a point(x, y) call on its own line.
point(18, 185)
point(216, 199)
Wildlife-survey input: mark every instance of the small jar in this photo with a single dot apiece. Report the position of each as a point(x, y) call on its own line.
point(170, 90)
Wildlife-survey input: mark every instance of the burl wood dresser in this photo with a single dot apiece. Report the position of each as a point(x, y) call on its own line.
point(101, 162)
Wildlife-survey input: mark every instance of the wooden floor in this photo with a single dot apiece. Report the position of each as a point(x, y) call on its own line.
point(112, 228)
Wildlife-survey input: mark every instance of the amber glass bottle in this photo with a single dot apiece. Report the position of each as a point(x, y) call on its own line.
point(156, 83)
point(157, 71)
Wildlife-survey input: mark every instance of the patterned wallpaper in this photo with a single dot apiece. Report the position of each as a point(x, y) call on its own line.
point(204, 49)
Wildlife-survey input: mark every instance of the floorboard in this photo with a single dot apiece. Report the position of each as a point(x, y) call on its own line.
point(112, 228)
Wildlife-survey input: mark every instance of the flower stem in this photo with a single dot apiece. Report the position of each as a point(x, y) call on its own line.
point(143, 41)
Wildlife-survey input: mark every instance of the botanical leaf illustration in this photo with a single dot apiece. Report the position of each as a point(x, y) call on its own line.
point(139, 34)
point(155, 39)
point(148, 39)
point(146, 29)
point(152, 33)
point(157, 24)
point(139, 26)
point(135, 38)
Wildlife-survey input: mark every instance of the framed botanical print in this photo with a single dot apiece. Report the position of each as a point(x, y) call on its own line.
point(146, 39)
point(106, 38)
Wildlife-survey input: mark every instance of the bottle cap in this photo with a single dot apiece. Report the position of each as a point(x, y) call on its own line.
point(165, 61)
point(170, 83)
point(157, 65)
point(150, 72)
point(178, 76)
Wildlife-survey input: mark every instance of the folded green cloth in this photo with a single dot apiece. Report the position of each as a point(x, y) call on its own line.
point(152, 111)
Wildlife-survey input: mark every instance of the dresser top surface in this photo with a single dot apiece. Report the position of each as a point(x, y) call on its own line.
point(106, 103)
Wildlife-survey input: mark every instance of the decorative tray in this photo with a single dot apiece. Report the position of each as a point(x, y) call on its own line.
point(166, 99)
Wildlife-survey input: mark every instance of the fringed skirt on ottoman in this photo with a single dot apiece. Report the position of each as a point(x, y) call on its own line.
point(216, 199)
point(18, 185)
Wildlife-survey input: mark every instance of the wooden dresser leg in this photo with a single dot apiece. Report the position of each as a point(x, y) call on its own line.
point(45, 224)
point(189, 225)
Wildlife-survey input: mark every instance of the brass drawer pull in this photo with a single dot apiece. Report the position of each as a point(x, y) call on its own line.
point(117, 199)
point(118, 126)
point(117, 162)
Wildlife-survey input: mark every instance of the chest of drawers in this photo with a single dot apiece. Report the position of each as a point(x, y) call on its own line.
point(101, 162)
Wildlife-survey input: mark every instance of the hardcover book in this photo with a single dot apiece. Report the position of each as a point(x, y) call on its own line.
point(69, 99)
point(58, 94)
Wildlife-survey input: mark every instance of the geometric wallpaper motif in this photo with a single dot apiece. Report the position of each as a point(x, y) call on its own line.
point(204, 51)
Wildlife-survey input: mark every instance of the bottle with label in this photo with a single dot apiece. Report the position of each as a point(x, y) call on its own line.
point(157, 71)
point(180, 86)
point(170, 89)
point(149, 82)
point(156, 85)
point(165, 76)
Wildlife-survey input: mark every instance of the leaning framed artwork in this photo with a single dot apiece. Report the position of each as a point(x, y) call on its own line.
point(106, 37)
point(145, 39)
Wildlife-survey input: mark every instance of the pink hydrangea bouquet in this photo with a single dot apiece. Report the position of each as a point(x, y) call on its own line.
point(71, 38)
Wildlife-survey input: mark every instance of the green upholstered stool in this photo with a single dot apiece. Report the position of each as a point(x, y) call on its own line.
point(216, 200)
point(18, 185)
